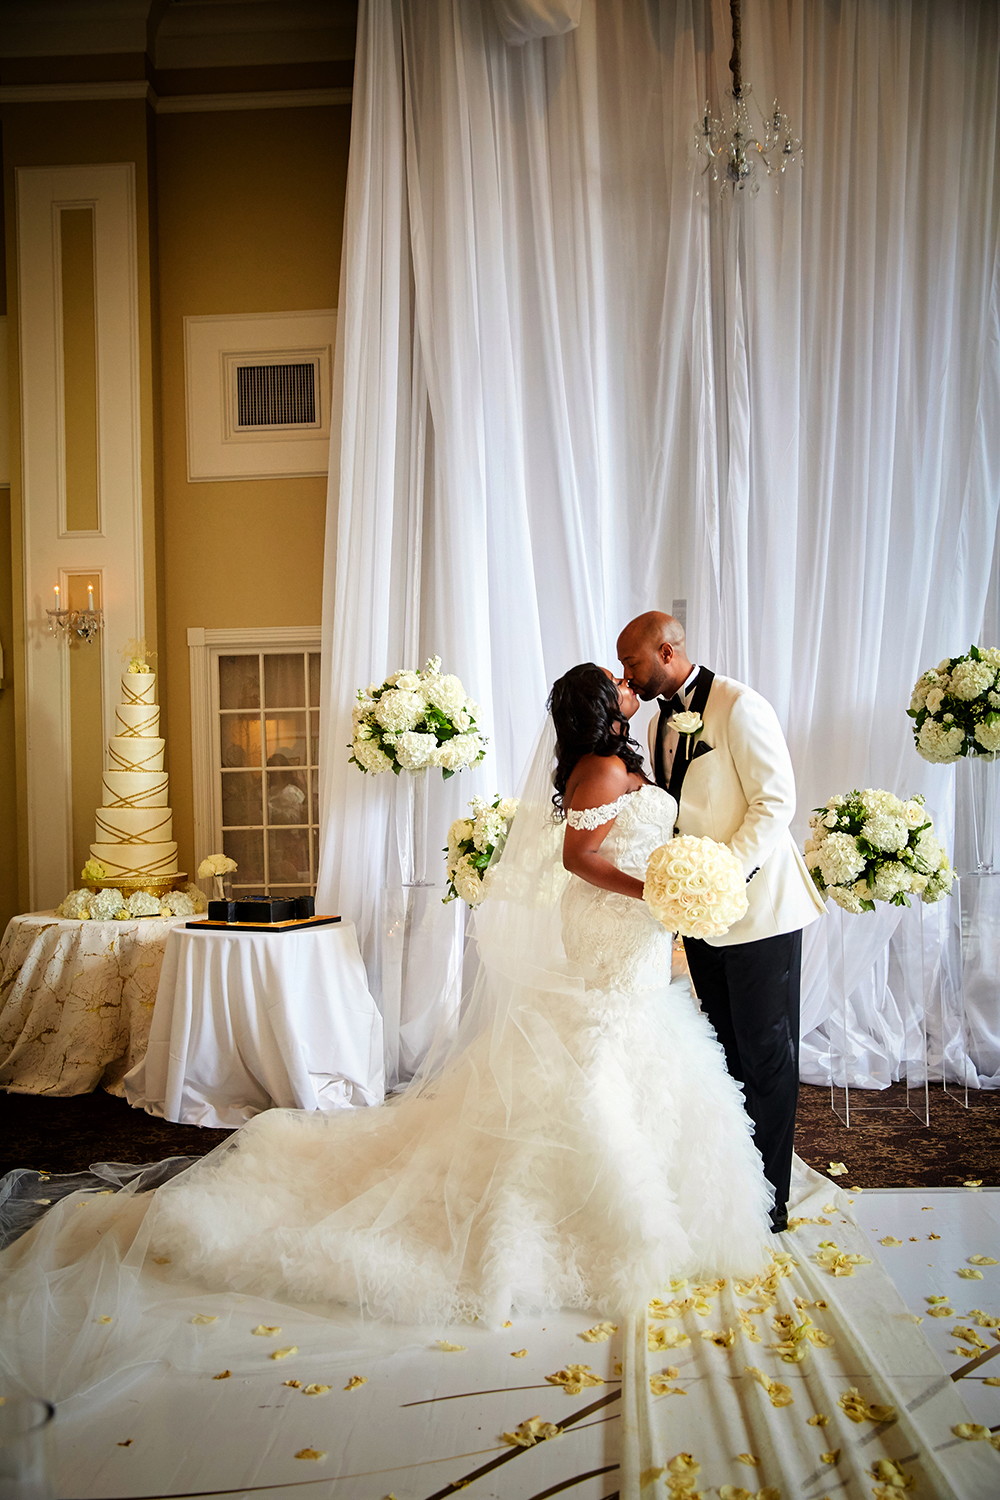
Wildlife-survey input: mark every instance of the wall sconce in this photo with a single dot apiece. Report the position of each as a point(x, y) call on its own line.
point(82, 622)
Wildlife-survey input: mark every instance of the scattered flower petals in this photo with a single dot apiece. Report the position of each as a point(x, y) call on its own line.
point(750, 1459)
point(820, 1419)
point(992, 1380)
point(725, 1338)
point(316, 1453)
point(837, 1261)
point(296, 1385)
point(892, 1475)
point(973, 1182)
point(666, 1338)
point(533, 1431)
point(933, 1236)
point(734, 1492)
point(223, 1375)
point(355, 1381)
point(264, 1331)
point(104, 1319)
point(833, 1457)
point(974, 1432)
point(203, 1318)
point(316, 1390)
point(508, 1324)
point(941, 1312)
point(447, 1348)
point(747, 1325)
point(971, 1337)
point(857, 1409)
point(518, 1353)
point(779, 1394)
point(983, 1260)
point(284, 1353)
point(574, 1379)
point(969, 1273)
point(660, 1385)
point(836, 1169)
point(889, 1240)
point(829, 1208)
point(599, 1334)
point(682, 1465)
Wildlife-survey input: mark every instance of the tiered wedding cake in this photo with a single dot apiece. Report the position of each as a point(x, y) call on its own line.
point(134, 825)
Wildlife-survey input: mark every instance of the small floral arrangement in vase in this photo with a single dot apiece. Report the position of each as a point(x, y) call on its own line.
point(955, 707)
point(414, 720)
point(872, 846)
point(471, 845)
point(221, 869)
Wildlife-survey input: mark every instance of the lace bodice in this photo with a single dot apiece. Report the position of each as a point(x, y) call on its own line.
point(614, 939)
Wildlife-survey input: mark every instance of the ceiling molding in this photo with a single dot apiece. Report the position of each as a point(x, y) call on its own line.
point(174, 104)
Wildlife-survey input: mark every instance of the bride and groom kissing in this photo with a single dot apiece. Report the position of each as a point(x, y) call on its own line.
point(584, 1139)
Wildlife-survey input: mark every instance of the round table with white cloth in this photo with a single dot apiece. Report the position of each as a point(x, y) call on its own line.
point(76, 1000)
point(249, 1021)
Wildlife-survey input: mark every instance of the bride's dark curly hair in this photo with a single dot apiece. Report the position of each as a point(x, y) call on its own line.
point(587, 717)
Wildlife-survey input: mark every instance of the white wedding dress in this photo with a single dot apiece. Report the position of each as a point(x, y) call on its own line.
point(579, 1145)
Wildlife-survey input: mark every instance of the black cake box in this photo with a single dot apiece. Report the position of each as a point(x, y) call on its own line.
point(264, 914)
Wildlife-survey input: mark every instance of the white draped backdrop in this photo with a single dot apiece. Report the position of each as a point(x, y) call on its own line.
point(574, 384)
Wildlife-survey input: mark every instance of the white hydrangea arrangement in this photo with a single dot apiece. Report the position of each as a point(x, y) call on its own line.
point(955, 707)
point(695, 887)
point(471, 844)
point(872, 846)
point(415, 720)
point(110, 905)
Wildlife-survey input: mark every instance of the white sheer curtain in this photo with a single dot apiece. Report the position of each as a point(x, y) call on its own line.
point(574, 385)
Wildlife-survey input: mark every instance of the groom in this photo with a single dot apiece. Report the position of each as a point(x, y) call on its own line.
point(732, 778)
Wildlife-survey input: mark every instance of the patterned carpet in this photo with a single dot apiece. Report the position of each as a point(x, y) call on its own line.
point(887, 1148)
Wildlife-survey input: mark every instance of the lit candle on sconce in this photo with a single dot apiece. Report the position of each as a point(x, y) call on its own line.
point(90, 596)
point(57, 596)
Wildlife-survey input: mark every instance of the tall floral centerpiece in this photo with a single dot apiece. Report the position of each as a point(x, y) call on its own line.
point(955, 710)
point(871, 846)
point(414, 720)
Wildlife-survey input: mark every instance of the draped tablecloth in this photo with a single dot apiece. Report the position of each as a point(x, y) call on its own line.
point(76, 1000)
point(248, 1021)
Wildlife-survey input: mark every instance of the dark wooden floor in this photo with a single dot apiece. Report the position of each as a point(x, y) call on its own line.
point(887, 1148)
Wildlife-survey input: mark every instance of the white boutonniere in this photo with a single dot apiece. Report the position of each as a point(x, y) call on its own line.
point(687, 724)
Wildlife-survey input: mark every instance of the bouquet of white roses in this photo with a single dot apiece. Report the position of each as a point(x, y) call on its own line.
point(871, 846)
point(471, 842)
point(695, 887)
point(955, 707)
point(414, 720)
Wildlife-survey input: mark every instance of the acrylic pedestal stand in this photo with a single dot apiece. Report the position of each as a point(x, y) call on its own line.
point(977, 901)
point(850, 1103)
point(421, 940)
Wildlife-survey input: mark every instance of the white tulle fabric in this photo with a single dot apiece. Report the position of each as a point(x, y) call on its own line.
point(578, 1145)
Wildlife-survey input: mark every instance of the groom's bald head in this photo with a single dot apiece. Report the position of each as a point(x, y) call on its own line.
point(651, 649)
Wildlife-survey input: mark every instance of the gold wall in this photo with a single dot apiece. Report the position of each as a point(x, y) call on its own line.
point(238, 212)
point(250, 212)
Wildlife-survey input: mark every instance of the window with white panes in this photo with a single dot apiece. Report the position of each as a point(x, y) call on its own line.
point(268, 749)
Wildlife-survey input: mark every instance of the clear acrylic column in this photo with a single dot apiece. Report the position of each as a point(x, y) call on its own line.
point(849, 1101)
point(977, 898)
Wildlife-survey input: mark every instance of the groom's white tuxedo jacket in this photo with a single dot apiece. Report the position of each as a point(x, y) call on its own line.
point(741, 792)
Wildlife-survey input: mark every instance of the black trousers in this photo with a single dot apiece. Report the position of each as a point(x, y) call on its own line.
point(750, 993)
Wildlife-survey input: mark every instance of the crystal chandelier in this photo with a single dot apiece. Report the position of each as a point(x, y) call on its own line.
point(734, 146)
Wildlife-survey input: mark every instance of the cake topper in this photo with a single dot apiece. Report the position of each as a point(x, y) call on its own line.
point(136, 656)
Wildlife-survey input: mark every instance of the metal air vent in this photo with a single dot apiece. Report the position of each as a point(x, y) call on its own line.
point(273, 393)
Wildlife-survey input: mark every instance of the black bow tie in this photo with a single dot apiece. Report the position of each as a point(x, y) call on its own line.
point(671, 706)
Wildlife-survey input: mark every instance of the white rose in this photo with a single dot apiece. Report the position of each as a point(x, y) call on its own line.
point(408, 682)
point(934, 700)
point(458, 752)
point(944, 667)
point(467, 882)
point(414, 751)
point(686, 723)
point(913, 813)
point(507, 808)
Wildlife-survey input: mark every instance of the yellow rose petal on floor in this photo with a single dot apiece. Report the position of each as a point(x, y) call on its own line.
point(599, 1334)
point(447, 1348)
point(223, 1375)
point(969, 1273)
point(104, 1319)
point(778, 1393)
point(858, 1409)
point(316, 1390)
point(724, 1338)
point(732, 1492)
point(355, 1381)
point(889, 1240)
point(203, 1318)
point(263, 1331)
point(748, 1458)
point(533, 1431)
point(819, 1420)
point(833, 1457)
point(508, 1324)
point(284, 1353)
point(973, 1432)
point(992, 1380)
point(829, 1208)
point(933, 1236)
point(316, 1453)
point(836, 1169)
point(518, 1353)
point(296, 1385)
point(983, 1260)
point(940, 1312)
point(666, 1338)
point(574, 1379)
point(973, 1182)
point(659, 1385)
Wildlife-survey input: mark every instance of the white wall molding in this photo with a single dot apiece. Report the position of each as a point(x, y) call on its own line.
point(171, 104)
point(51, 554)
point(204, 648)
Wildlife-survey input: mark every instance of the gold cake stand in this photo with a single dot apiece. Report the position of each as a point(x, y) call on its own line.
point(156, 885)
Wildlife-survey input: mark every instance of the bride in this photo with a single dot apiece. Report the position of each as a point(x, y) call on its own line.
point(577, 1145)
